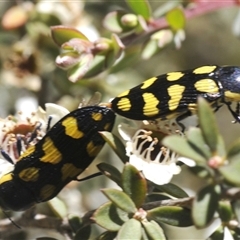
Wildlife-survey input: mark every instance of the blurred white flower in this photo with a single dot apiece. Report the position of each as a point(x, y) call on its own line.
point(18, 132)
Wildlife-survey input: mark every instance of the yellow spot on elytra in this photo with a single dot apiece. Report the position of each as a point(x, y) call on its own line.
point(124, 104)
point(70, 171)
point(92, 149)
point(30, 150)
point(124, 93)
point(148, 82)
point(175, 93)
point(47, 191)
point(174, 76)
point(233, 97)
point(71, 128)
point(30, 174)
point(6, 178)
point(97, 116)
point(204, 69)
point(150, 107)
point(206, 85)
point(51, 153)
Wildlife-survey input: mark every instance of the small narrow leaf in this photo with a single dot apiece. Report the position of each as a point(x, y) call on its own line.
point(225, 211)
point(236, 208)
point(111, 172)
point(150, 48)
point(107, 236)
point(112, 22)
point(120, 199)
point(172, 215)
point(231, 172)
point(131, 230)
point(208, 124)
point(234, 151)
point(58, 207)
point(62, 34)
point(109, 217)
point(172, 189)
point(116, 144)
point(134, 184)
point(83, 233)
point(140, 8)
point(75, 222)
point(205, 205)
point(153, 230)
point(196, 140)
point(176, 18)
point(183, 148)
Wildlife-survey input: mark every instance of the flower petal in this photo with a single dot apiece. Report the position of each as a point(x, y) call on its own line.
point(160, 173)
point(189, 162)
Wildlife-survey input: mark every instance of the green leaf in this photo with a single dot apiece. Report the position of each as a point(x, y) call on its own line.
point(172, 215)
point(118, 46)
point(196, 140)
point(221, 150)
point(130, 230)
point(176, 18)
point(208, 124)
point(61, 34)
point(110, 217)
point(79, 71)
point(58, 207)
point(140, 8)
point(172, 190)
point(205, 205)
point(134, 184)
point(183, 148)
point(111, 172)
point(75, 222)
point(233, 153)
point(83, 233)
point(112, 22)
point(115, 143)
point(231, 172)
point(236, 208)
point(120, 199)
point(225, 211)
point(107, 236)
point(153, 230)
point(131, 55)
point(149, 49)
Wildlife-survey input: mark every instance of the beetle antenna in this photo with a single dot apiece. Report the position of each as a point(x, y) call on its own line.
point(8, 217)
point(6, 156)
point(89, 177)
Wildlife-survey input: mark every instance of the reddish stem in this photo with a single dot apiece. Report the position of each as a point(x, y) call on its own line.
point(199, 7)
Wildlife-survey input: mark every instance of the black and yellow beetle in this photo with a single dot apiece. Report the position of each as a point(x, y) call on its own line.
point(58, 158)
point(174, 94)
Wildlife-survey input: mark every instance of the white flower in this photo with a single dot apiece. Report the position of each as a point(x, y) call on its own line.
point(191, 232)
point(227, 234)
point(146, 153)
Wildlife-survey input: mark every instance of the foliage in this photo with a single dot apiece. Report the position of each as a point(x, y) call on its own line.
point(136, 31)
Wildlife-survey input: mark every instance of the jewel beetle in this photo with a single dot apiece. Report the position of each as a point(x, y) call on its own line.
point(59, 157)
point(174, 94)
